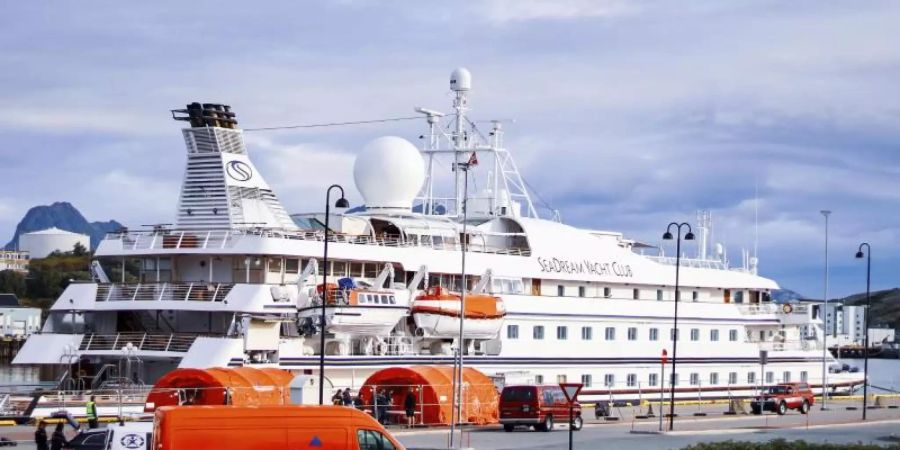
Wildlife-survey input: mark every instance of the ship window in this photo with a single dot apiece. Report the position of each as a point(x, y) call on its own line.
point(695, 296)
point(291, 265)
point(607, 292)
point(512, 331)
point(653, 379)
point(384, 300)
point(275, 265)
point(695, 378)
point(371, 270)
point(538, 332)
point(739, 296)
point(751, 377)
point(714, 378)
point(695, 334)
point(560, 379)
point(636, 294)
point(674, 379)
point(361, 298)
point(560, 290)
point(733, 335)
point(562, 333)
point(804, 376)
point(714, 335)
point(631, 379)
point(581, 291)
point(654, 334)
point(632, 334)
point(437, 241)
point(786, 377)
point(659, 294)
point(393, 299)
point(338, 269)
point(770, 377)
point(356, 269)
point(586, 380)
point(610, 334)
point(538, 379)
point(587, 333)
point(732, 378)
point(674, 334)
point(609, 380)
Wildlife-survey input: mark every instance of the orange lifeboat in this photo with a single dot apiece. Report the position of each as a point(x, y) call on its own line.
point(437, 313)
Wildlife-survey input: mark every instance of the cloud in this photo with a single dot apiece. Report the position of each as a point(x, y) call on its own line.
point(503, 11)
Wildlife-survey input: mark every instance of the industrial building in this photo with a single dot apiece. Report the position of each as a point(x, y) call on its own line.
point(14, 260)
point(39, 244)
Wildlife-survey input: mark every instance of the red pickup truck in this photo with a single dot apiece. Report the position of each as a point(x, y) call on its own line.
point(781, 397)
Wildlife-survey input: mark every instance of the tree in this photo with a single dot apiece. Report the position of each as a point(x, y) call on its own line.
point(12, 282)
point(79, 250)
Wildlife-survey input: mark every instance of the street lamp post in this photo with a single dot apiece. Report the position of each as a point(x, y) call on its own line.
point(340, 203)
point(824, 313)
point(689, 236)
point(868, 256)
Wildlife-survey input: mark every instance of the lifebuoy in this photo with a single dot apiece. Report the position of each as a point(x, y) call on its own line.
point(787, 309)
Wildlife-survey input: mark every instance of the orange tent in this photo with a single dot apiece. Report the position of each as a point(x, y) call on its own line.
point(432, 387)
point(220, 386)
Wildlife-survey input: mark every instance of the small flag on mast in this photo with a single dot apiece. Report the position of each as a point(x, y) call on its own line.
point(473, 160)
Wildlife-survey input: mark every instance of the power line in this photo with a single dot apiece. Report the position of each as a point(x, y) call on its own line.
point(333, 124)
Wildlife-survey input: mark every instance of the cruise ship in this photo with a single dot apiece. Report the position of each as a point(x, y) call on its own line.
point(239, 281)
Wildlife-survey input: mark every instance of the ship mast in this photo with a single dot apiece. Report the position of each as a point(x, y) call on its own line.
point(505, 193)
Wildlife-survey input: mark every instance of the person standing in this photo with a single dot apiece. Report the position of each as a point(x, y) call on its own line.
point(58, 440)
point(409, 404)
point(347, 397)
point(40, 436)
point(91, 408)
point(337, 398)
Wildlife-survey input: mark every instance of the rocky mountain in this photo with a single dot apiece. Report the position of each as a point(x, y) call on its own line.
point(64, 216)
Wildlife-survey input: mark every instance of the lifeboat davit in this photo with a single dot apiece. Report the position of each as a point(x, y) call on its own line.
point(437, 314)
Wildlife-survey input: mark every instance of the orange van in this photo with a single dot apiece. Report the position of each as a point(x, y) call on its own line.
point(268, 427)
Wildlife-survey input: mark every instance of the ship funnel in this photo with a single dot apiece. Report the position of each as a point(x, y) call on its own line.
point(222, 188)
point(206, 115)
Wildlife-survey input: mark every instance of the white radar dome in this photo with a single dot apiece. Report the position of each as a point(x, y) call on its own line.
point(461, 80)
point(389, 172)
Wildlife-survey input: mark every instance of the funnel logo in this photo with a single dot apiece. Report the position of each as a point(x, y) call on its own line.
point(239, 170)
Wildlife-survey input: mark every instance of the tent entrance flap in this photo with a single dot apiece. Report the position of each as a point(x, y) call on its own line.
point(432, 390)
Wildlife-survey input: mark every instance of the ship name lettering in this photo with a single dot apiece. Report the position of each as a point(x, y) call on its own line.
point(557, 265)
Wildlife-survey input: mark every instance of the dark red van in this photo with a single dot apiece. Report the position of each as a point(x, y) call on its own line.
point(538, 406)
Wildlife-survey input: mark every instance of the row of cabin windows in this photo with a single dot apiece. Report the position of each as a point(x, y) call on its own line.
point(609, 333)
point(375, 299)
point(738, 296)
point(631, 379)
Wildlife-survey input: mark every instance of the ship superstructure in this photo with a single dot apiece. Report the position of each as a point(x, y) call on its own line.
point(237, 281)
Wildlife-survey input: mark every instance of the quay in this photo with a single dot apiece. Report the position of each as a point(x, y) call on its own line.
point(839, 424)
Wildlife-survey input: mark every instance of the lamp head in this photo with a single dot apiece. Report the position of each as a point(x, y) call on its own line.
point(689, 236)
point(859, 254)
point(667, 236)
point(342, 203)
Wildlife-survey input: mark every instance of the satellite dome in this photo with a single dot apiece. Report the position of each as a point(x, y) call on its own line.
point(461, 80)
point(389, 172)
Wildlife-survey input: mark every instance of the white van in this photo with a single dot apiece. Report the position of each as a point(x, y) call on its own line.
point(116, 436)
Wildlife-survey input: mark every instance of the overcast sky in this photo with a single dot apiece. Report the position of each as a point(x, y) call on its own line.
point(628, 114)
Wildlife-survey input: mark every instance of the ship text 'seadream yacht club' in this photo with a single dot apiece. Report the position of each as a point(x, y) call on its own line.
point(237, 281)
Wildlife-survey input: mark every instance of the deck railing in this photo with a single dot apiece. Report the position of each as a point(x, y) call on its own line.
point(178, 342)
point(222, 239)
point(199, 292)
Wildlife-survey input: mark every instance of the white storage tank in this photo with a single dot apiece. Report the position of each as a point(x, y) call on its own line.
point(41, 243)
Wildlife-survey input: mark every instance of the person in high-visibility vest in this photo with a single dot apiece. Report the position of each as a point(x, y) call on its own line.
point(92, 413)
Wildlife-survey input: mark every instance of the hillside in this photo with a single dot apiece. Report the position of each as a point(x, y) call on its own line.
point(64, 216)
point(885, 307)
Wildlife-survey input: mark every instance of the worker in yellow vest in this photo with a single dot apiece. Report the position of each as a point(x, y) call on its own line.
point(92, 413)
